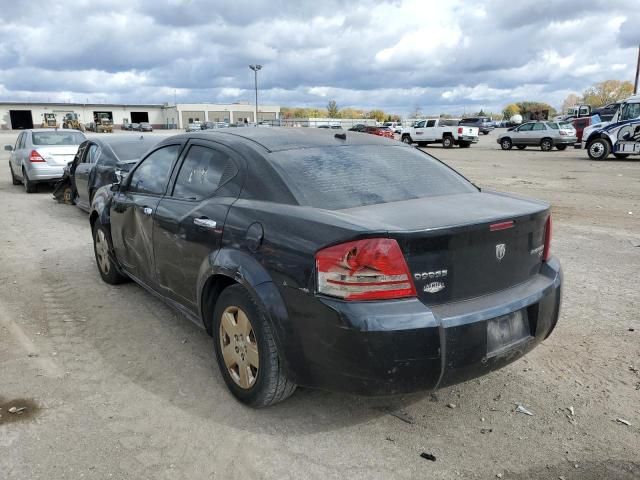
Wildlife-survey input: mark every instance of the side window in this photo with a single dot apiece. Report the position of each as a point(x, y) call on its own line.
point(630, 111)
point(431, 123)
point(553, 126)
point(420, 124)
point(539, 126)
point(203, 171)
point(526, 127)
point(92, 154)
point(23, 142)
point(152, 175)
point(19, 142)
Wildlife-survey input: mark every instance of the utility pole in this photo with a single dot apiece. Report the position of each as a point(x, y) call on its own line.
point(635, 85)
point(255, 69)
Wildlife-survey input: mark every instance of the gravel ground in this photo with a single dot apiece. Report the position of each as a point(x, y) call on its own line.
point(117, 385)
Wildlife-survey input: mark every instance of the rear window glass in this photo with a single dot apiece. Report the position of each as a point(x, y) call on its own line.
point(57, 138)
point(131, 150)
point(334, 178)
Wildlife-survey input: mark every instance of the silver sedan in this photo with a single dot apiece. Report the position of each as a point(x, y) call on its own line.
point(40, 155)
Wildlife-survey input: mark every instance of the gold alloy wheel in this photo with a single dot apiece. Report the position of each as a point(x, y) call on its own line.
point(102, 250)
point(239, 347)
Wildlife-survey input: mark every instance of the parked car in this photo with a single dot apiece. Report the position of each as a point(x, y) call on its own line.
point(207, 125)
point(379, 131)
point(95, 164)
point(145, 127)
point(194, 127)
point(438, 130)
point(545, 135)
point(343, 262)
point(393, 126)
point(358, 127)
point(126, 126)
point(484, 124)
point(135, 126)
point(40, 155)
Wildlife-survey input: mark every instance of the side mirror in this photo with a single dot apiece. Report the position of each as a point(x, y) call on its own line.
point(8, 148)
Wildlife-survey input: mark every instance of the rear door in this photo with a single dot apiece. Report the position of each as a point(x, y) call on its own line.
point(189, 220)
point(538, 131)
point(132, 210)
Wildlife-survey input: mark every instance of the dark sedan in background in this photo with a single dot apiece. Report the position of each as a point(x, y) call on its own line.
point(95, 164)
point(331, 260)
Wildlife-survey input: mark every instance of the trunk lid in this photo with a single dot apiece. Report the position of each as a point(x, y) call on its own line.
point(462, 246)
point(57, 155)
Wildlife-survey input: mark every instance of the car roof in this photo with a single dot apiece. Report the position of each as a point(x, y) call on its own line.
point(62, 130)
point(284, 138)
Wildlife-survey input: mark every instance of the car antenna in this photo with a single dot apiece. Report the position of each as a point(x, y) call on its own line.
point(341, 136)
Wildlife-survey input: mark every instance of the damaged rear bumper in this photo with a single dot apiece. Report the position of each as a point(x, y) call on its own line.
point(384, 348)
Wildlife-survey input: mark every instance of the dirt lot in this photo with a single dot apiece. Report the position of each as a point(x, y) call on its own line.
point(117, 385)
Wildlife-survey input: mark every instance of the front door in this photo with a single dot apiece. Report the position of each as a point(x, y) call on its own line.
point(189, 220)
point(430, 131)
point(133, 208)
point(83, 170)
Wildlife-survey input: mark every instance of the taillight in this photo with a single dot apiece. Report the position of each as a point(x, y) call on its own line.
point(546, 253)
point(562, 132)
point(370, 269)
point(34, 156)
point(460, 130)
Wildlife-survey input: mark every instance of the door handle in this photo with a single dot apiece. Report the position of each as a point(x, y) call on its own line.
point(205, 222)
point(147, 210)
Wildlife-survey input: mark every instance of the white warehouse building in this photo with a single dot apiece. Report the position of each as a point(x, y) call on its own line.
point(21, 115)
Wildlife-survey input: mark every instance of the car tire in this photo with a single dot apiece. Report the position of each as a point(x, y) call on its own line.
point(561, 147)
point(546, 144)
point(598, 149)
point(109, 271)
point(621, 155)
point(14, 180)
point(245, 333)
point(407, 139)
point(521, 147)
point(447, 141)
point(506, 144)
point(29, 186)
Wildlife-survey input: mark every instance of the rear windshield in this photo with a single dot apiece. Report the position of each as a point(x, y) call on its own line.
point(57, 138)
point(131, 150)
point(334, 178)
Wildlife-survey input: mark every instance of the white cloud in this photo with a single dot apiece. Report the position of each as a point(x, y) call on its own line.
point(392, 54)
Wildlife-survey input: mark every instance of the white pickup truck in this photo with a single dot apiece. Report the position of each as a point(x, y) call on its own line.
point(439, 130)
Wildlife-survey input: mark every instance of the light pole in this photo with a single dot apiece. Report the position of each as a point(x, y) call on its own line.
point(255, 69)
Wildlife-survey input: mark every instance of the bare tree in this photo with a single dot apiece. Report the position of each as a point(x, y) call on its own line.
point(332, 109)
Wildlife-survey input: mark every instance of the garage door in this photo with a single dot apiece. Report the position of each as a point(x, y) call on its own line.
point(218, 116)
point(20, 119)
point(139, 117)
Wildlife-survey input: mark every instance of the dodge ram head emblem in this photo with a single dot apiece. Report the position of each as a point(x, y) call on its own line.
point(501, 249)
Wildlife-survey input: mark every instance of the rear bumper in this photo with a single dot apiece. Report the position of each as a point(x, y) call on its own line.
point(45, 173)
point(382, 348)
point(467, 138)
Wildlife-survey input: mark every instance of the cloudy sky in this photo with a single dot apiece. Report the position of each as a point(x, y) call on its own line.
point(445, 56)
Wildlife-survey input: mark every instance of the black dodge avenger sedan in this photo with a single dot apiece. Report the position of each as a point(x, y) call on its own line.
point(346, 262)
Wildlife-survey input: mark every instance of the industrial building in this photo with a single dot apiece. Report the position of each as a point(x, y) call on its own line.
point(21, 115)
